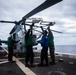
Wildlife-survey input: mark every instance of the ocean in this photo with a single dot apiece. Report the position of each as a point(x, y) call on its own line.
point(63, 49)
point(66, 49)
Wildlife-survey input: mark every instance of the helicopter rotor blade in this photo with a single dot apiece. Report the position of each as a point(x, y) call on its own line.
point(51, 29)
point(3, 41)
point(2, 21)
point(41, 7)
point(47, 23)
point(37, 30)
point(56, 31)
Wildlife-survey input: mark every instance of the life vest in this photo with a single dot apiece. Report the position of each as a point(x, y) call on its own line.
point(10, 42)
point(29, 41)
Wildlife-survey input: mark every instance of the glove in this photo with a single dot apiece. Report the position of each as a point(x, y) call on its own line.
point(40, 26)
point(38, 41)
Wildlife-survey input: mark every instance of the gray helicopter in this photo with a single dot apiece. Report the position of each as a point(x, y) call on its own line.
point(26, 22)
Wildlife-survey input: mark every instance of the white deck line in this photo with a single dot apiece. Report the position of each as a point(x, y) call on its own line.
point(26, 70)
point(3, 62)
point(3, 59)
point(5, 50)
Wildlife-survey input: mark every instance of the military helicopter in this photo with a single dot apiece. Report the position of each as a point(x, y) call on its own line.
point(20, 27)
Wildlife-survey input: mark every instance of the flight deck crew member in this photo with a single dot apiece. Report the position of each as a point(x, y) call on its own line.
point(29, 50)
point(44, 51)
point(11, 42)
point(10, 48)
point(51, 46)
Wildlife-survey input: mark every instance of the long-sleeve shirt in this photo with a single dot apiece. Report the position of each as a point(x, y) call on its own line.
point(44, 41)
point(50, 38)
point(29, 41)
point(10, 42)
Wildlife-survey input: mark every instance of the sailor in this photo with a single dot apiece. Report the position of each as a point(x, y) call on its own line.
point(11, 42)
point(44, 51)
point(29, 50)
point(51, 46)
point(10, 48)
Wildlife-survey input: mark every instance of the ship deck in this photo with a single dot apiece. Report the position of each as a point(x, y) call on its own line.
point(65, 65)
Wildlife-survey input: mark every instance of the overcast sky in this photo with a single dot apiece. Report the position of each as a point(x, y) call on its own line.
point(63, 13)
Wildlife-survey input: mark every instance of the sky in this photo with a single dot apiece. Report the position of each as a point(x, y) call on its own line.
point(62, 13)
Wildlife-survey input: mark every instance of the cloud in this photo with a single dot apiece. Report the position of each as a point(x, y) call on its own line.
point(69, 9)
point(63, 13)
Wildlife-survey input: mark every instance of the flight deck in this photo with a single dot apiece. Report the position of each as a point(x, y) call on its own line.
point(65, 65)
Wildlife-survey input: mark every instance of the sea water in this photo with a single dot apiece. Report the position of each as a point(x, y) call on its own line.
point(66, 49)
point(63, 49)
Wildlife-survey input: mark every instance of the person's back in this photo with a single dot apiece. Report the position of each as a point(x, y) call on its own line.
point(51, 46)
point(10, 42)
point(10, 48)
point(28, 41)
point(29, 50)
point(50, 39)
point(44, 41)
point(44, 51)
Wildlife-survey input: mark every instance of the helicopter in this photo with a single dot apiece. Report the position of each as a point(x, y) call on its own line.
point(20, 27)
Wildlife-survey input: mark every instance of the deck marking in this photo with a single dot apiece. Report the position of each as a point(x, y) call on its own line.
point(4, 62)
point(5, 50)
point(26, 70)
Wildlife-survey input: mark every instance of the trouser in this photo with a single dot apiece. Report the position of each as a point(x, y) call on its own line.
point(10, 53)
point(44, 55)
point(52, 53)
point(29, 54)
